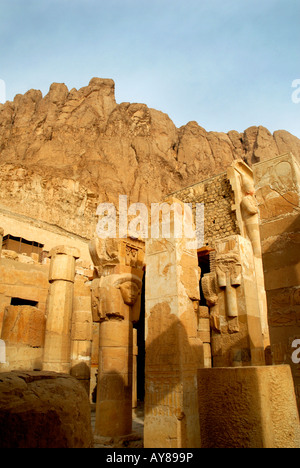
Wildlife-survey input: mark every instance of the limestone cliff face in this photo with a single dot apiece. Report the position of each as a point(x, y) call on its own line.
point(62, 154)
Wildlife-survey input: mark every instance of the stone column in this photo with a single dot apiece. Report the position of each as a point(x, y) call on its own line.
point(114, 396)
point(116, 305)
point(134, 369)
point(237, 338)
point(1, 239)
point(204, 333)
point(57, 351)
point(81, 345)
point(173, 348)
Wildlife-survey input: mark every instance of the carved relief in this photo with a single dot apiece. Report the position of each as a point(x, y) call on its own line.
point(95, 296)
point(119, 265)
point(277, 190)
point(131, 256)
point(226, 278)
point(231, 294)
point(284, 307)
point(210, 292)
point(116, 296)
point(228, 272)
point(241, 179)
point(278, 176)
point(249, 210)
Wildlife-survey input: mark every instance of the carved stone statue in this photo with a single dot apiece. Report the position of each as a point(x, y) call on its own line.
point(231, 294)
point(228, 271)
point(210, 291)
point(117, 296)
point(249, 210)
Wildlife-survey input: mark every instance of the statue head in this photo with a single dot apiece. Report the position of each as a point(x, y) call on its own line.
point(117, 295)
point(130, 292)
point(228, 265)
point(248, 186)
point(130, 287)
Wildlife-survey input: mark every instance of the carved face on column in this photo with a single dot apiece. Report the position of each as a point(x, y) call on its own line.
point(117, 295)
point(228, 265)
point(130, 292)
point(130, 287)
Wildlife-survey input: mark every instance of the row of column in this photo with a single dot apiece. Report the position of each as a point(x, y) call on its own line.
point(60, 340)
point(66, 336)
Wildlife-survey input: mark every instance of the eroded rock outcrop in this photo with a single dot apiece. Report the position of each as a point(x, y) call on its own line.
point(62, 154)
point(43, 410)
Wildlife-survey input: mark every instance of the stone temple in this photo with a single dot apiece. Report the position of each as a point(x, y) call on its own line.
point(198, 342)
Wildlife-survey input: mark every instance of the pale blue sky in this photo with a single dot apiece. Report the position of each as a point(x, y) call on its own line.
point(228, 64)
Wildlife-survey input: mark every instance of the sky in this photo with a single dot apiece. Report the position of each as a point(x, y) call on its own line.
point(227, 64)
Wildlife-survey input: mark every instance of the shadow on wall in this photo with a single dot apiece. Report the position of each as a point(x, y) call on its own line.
point(82, 373)
point(173, 355)
point(188, 406)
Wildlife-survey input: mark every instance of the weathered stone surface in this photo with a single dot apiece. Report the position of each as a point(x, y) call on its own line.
point(43, 410)
point(24, 325)
point(116, 300)
point(278, 196)
point(174, 350)
point(248, 407)
point(64, 153)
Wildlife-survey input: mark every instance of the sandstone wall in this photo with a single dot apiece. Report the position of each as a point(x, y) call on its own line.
point(249, 407)
point(23, 281)
point(278, 196)
point(22, 326)
point(24, 288)
point(42, 232)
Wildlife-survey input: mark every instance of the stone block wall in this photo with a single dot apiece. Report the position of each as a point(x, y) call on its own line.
point(219, 207)
point(248, 407)
point(24, 299)
point(23, 296)
point(278, 195)
point(27, 282)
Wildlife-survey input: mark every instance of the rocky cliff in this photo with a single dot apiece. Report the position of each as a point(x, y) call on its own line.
point(62, 154)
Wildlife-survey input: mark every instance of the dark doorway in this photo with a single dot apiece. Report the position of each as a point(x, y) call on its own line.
point(140, 326)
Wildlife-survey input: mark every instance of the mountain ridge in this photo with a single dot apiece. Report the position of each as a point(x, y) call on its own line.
point(64, 153)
